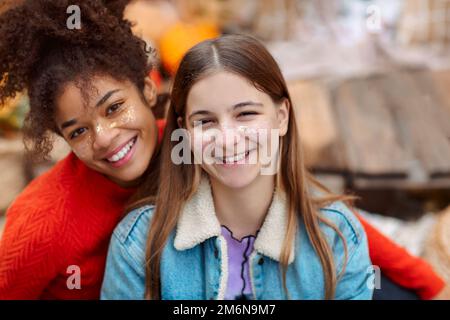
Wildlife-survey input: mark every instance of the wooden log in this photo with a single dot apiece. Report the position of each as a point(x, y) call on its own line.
point(424, 22)
point(418, 120)
point(441, 83)
point(372, 144)
point(317, 126)
point(397, 183)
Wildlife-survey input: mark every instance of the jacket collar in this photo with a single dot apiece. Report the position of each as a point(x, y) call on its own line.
point(198, 222)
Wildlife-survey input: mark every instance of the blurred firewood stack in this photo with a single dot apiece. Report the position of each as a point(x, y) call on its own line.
point(425, 22)
point(384, 130)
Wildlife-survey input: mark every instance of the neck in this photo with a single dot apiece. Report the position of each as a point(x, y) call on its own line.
point(243, 210)
point(126, 184)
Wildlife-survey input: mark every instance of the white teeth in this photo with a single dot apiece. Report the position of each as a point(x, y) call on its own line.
point(233, 159)
point(122, 153)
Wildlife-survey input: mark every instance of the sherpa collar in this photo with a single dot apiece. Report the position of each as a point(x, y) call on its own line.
point(198, 222)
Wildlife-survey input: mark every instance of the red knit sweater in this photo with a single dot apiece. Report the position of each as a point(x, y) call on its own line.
point(402, 268)
point(63, 218)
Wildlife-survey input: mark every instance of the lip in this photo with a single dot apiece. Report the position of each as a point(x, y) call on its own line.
point(249, 148)
point(110, 154)
point(238, 163)
point(125, 159)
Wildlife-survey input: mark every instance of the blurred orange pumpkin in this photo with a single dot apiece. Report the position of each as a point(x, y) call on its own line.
point(179, 38)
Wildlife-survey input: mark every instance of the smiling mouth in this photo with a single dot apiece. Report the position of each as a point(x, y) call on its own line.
point(233, 159)
point(122, 153)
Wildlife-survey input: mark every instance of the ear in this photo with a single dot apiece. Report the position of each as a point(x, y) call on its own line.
point(150, 93)
point(283, 116)
point(180, 122)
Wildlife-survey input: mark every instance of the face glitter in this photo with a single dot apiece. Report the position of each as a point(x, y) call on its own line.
point(128, 116)
point(99, 128)
point(113, 125)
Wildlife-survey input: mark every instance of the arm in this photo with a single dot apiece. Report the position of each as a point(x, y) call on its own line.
point(356, 282)
point(124, 277)
point(28, 253)
point(400, 266)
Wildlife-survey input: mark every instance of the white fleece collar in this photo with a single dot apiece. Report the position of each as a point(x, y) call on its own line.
point(198, 222)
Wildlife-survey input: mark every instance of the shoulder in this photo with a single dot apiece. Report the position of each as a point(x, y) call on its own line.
point(44, 198)
point(345, 220)
point(125, 265)
point(346, 237)
point(34, 228)
point(49, 190)
point(40, 210)
point(131, 233)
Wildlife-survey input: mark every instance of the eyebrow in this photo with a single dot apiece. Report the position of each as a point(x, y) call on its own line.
point(247, 103)
point(68, 124)
point(105, 98)
point(236, 106)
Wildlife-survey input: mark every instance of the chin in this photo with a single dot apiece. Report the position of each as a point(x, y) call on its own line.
point(237, 179)
point(135, 172)
point(129, 175)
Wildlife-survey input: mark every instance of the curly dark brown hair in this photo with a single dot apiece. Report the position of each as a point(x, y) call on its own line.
point(39, 54)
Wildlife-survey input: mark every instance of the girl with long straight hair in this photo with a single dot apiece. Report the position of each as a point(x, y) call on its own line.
point(222, 227)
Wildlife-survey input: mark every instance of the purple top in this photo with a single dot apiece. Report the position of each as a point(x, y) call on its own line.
point(238, 286)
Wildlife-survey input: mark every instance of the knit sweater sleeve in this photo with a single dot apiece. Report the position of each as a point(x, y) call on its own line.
point(401, 267)
point(29, 256)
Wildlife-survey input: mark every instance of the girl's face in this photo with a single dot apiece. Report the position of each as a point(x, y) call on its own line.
point(234, 128)
point(116, 133)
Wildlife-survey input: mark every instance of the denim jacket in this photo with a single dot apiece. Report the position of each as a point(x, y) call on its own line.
point(194, 260)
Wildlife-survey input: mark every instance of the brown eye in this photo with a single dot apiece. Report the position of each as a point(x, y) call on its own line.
point(202, 122)
point(247, 113)
point(77, 132)
point(113, 108)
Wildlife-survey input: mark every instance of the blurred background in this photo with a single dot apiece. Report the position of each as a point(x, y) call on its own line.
point(370, 81)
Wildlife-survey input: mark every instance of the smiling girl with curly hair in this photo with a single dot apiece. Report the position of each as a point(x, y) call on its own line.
point(89, 86)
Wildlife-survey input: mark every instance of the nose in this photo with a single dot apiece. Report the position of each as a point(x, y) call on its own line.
point(104, 136)
point(228, 138)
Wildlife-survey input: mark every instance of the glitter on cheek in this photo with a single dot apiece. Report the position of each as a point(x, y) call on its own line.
point(102, 128)
point(128, 116)
point(113, 125)
point(99, 129)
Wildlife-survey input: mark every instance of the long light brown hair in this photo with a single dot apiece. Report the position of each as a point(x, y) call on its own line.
point(248, 58)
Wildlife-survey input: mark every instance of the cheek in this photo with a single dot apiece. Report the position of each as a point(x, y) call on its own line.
point(130, 115)
point(83, 149)
point(127, 117)
point(200, 140)
point(100, 128)
point(258, 131)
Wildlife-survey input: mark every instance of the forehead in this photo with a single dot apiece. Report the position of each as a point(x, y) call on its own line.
point(222, 90)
